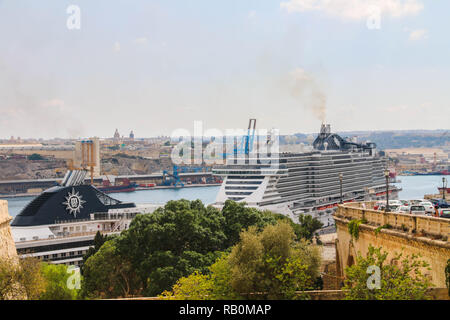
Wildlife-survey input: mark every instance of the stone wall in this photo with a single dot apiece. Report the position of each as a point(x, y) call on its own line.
point(7, 246)
point(435, 252)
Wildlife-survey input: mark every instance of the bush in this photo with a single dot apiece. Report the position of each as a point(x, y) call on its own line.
point(402, 280)
point(21, 279)
point(269, 264)
point(57, 277)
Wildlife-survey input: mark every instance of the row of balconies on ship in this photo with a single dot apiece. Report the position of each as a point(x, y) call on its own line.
point(308, 185)
point(249, 166)
point(264, 172)
point(320, 164)
point(311, 197)
point(238, 193)
point(325, 190)
point(285, 172)
point(301, 159)
point(321, 191)
point(244, 178)
point(329, 157)
point(289, 156)
point(336, 164)
point(245, 181)
point(308, 200)
point(278, 169)
point(317, 153)
point(318, 184)
point(328, 173)
point(318, 175)
point(332, 163)
point(330, 167)
point(236, 188)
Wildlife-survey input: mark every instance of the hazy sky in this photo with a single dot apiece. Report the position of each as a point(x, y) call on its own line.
point(155, 66)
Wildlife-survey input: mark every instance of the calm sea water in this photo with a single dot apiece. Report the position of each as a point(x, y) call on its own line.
point(206, 194)
point(414, 187)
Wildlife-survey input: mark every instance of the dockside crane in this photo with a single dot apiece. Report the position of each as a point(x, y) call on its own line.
point(245, 146)
point(176, 178)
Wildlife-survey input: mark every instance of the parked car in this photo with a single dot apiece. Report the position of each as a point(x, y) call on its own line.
point(377, 205)
point(444, 213)
point(417, 210)
point(429, 207)
point(403, 209)
point(404, 202)
point(440, 203)
point(380, 205)
point(392, 208)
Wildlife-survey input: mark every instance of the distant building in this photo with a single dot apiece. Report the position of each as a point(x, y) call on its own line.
point(131, 135)
point(116, 135)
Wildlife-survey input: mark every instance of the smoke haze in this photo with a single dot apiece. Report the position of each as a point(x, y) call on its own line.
point(309, 94)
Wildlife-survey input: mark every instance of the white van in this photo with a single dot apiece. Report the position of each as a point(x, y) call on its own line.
point(429, 208)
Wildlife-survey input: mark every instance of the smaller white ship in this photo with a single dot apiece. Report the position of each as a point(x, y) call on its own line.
point(60, 224)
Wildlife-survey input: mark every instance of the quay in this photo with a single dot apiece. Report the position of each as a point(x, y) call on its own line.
point(24, 188)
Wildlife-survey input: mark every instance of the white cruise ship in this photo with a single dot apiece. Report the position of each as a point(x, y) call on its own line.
point(60, 224)
point(306, 182)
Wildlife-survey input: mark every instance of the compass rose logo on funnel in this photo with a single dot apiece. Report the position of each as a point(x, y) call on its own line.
point(74, 202)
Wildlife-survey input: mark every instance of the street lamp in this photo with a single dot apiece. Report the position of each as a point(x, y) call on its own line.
point(341, 176)
point(444, 186)
point(386, 175)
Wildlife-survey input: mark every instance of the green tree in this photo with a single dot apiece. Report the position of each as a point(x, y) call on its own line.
point(216, 285)
point(56, 288)
point(99, 240)
point(263, 264)
point(402, 279)
point(175, 241)
point(307, 226)
point(221, 277)
point(196, 286)
point(21, 279)
point(107, 274)
point(273, 262)
point(239, 217)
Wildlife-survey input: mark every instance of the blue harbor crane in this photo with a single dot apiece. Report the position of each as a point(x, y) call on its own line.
point(246, 143)
point(172, 179)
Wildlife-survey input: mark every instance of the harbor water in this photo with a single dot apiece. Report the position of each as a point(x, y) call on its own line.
point(413, 187)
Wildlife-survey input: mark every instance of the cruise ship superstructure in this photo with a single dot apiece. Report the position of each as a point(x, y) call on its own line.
point(60, 224)
point(307, 182)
